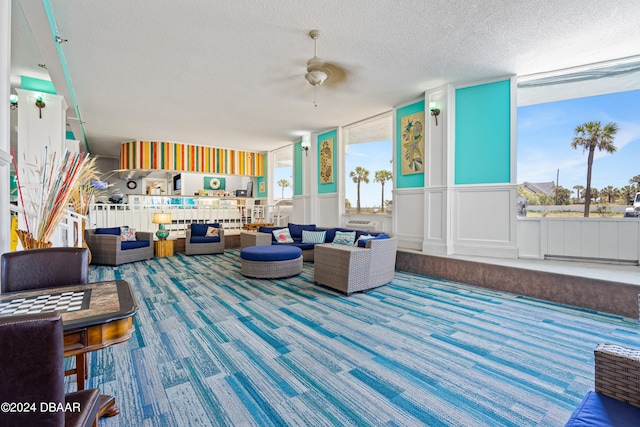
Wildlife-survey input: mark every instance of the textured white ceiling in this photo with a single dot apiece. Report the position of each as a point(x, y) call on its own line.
point(231, 73)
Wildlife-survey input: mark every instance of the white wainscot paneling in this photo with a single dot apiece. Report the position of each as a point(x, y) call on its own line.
point(436, 225)
point(600, 238)
point(328, 210)
point(484, 215)
point(530, 238)
point(409, 211)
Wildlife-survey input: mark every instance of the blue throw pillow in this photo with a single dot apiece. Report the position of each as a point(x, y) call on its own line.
point(345, 238)
point(313, 236)
point(296, 229)
point(331, 234)
point(110, 230)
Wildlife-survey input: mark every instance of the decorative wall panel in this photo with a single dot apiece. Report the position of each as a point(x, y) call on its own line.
point(190, 158)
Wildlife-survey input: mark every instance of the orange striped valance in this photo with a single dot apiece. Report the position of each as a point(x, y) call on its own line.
point(189, 158)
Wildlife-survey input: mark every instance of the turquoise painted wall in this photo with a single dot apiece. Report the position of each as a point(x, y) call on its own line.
point(262, 179)
point(297, 169)
point(483, 134)
point(407, 181)
point(333, 186)
point(37, 85)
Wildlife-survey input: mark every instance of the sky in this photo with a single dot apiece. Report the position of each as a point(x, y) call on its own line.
point(545, 132)
point(373, 156)
point(283, 173)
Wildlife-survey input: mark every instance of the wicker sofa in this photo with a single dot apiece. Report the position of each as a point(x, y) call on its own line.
point(197, 243)
point(616, 399)
point(265, 236)
point(350, 269)
point(108, 249)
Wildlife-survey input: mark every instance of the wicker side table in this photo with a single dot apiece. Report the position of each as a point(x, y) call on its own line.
point(254, 239)
point(163, 248)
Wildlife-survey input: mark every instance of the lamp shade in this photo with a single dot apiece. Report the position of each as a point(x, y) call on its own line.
point(161, 218)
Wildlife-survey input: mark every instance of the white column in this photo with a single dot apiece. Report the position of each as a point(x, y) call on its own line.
point(41, 132)
point(5, 157)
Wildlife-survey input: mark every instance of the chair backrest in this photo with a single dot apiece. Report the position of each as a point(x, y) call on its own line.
point(43, 268)
point(32, 368)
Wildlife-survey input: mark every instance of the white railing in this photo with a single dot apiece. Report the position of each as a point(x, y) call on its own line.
point(140, 216)
point(606, 239)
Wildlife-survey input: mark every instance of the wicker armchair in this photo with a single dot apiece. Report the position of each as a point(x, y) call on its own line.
point(616, 399)
point(203, 248)
point(107, 248)
point(351, 269)
point(618, 373)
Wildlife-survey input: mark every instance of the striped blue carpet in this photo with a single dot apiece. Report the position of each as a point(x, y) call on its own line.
point(213, 348)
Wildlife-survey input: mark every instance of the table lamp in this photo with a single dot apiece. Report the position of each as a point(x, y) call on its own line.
point(161, 219)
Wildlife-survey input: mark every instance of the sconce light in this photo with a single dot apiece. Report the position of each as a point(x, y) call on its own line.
point(435, 112)
point(305, 147)
point(40, 104)
point(13, 101)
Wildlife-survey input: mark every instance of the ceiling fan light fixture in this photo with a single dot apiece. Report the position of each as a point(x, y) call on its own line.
point(316, 77)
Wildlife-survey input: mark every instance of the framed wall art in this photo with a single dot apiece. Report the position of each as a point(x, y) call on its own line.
point(413, 144)
point(214, 183)
point(326, 161)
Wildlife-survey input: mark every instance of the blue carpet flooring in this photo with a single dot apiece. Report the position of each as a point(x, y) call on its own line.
point(213, 348)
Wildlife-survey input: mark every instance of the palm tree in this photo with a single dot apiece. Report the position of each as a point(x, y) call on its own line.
point(578, 189)
point(283, 183)
point(590, 136)
point(627, 192)
point(358, 176)
point(635, 180)
point(609, 192)
point(381, 177)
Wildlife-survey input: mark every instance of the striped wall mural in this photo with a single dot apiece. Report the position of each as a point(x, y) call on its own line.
point(189, 158)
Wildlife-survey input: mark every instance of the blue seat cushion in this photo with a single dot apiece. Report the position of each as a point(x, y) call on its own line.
point(599, 410)
point(204, 239)
point(271, 253)
point(299, 244)
point(362, 243)
point(109, 230)
point(135, 244)
point(201, 229)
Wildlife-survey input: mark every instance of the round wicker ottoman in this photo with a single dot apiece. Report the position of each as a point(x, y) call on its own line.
point(271, 262)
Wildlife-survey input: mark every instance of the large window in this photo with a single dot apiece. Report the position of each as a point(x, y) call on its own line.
point(368, 165)
point(552, 174)
point(282, 173)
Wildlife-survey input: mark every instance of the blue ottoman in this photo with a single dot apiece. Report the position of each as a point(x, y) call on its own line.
point(271, 262)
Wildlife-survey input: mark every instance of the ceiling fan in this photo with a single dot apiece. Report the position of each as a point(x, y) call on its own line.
point(320, 71)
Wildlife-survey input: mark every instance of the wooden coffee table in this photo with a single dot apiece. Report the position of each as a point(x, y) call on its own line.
point(255, 225)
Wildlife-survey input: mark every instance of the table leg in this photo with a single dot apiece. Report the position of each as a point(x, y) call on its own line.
point(81, 370)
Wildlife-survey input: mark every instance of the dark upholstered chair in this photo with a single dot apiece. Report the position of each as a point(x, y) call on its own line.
point(197, 243)
point(107, 248)
point(32, 375)
point(44, 268)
